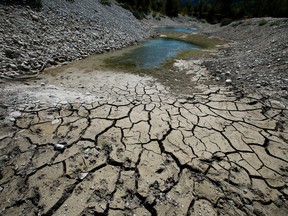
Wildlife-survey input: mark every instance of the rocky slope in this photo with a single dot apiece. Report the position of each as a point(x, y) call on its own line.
point(62, 31)
point(257, 60)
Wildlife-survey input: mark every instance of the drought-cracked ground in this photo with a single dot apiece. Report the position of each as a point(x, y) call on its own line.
point(119, 144)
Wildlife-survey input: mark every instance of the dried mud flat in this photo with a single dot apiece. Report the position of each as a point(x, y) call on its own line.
point(105, 143)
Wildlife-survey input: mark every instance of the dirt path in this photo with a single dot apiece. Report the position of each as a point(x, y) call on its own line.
point(119, 144)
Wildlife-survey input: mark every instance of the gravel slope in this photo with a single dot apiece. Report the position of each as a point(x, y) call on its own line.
point(62, 31)
point(257, 60)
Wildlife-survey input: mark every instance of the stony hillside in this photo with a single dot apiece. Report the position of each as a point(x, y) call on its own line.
point(62, 31)
point(257, 60)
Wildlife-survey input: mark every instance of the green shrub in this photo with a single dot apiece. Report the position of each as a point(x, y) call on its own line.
point(276, 23)
point(262, 22)
point(226, 21)
point(235, 24)
point(105, 2)
point(35, 3)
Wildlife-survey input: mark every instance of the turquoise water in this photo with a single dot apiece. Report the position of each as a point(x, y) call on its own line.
point(179, 29)
point(152, 53)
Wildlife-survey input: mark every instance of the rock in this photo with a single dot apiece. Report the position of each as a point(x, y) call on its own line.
point(82, 175)
point(24, 67)
point(42, 84)
point(59, 147)
point(15, 114)
point(250, 207)
point(56, 121)
point(228, 81)
point(11, 53)
point(12, 119)
point(52, 62)
point(231, 202)
point(34, 18)
point(13, 66)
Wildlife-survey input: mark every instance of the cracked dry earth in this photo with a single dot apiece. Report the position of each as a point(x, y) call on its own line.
point(125, 145)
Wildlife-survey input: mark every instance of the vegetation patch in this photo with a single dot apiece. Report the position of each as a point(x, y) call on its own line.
point(105, 2)
point(226, 21)
point(262, 22)
point(200, 40)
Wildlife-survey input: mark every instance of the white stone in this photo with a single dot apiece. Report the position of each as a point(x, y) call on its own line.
point(15, 114)
point(60, 147)
point(13, 66)
point(228, 81)
point(82, 175)
point(56, 121)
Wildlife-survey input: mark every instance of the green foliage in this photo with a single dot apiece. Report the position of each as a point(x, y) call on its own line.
point(217, 10)
point(105, 2)
point(262, 22)
point(172, 8)
point(226, 21)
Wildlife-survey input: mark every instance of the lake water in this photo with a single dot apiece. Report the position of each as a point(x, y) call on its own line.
point(152, 53)
point(179, 29)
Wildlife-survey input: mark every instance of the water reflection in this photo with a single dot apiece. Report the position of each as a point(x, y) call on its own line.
point(153, 52)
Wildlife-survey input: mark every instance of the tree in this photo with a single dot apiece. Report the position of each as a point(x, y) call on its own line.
point(172, 8)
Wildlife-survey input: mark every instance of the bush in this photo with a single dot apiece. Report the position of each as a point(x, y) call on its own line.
point(235, 24)
point(226, 21)
point(262, 22)
point(105, 2)
point(34, 3)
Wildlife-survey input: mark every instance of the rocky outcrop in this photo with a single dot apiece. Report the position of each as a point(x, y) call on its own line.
point(62, 31)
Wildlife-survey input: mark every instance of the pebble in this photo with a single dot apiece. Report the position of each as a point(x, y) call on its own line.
point(34, 17)
point(13, 66)
point(231, 202)
point(56, 121)
point(228, 81)
point(82, 175)
point(59, 147)
point(15, 114)
point(250, 207)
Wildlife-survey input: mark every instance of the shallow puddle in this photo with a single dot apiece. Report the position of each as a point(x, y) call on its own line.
point(152, 53)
